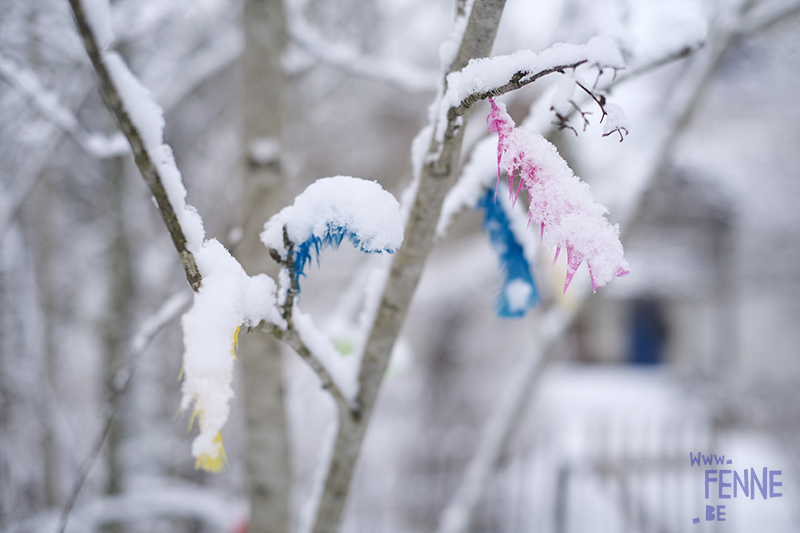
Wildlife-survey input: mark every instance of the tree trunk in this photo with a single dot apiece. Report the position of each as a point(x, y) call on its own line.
point(264, 193)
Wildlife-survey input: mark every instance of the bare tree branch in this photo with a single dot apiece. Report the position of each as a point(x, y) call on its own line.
point(144, 161)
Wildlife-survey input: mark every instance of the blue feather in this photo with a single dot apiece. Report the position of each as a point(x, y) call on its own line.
point(519, 293)
point(334, 235)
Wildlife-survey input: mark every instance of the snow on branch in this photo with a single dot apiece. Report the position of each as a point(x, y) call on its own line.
point(495, 76)
point(559, 202)
point(140, 119)
point(327, 212)
point(48, 105)
point(226, 298)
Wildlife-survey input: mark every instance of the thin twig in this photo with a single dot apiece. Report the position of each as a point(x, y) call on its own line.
point(291, 336)
point(86, 467)
point(169, 311)
point(144, 161)
point(518, 80)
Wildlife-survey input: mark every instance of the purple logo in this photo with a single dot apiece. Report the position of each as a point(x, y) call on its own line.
point(730, 483)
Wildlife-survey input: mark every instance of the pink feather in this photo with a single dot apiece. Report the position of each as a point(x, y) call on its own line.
point(559, 201)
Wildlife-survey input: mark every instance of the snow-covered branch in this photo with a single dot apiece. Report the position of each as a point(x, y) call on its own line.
point(478, 174)
point(495, 76)
point(47, 103)
point(151, 166)
point(226, 298)
point(346, 58)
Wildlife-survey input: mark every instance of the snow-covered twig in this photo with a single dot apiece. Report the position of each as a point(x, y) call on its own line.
point(292, 338)
point(144, 160)
point(173, 307)
point(487, 78)
point(398, 74)
point(47, 103)
point(518, 79)
point(478, 174)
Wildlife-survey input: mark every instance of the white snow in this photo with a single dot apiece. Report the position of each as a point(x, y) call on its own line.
point(148, 118)
point(562, 100)
point(603, 52)
point(264, 150)
point(517, 293)
point(559, 201)
point(227, 299)
point(614, 120)
point(359, 206)
point(98, 13)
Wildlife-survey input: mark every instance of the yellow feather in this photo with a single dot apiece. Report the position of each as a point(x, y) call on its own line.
point(213, 464)
point(235, 343)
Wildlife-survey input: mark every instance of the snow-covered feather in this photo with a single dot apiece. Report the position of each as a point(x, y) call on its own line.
point(330, 210)
point(560, 202)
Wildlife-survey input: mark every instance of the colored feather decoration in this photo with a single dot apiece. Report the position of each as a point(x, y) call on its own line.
point(332, 237)
point(519, 293)
point(330, 210)
point(560, 202)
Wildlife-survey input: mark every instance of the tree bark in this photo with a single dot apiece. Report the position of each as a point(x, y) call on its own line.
point(264, 193)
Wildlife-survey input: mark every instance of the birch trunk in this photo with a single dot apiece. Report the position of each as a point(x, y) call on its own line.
point(264, 193)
